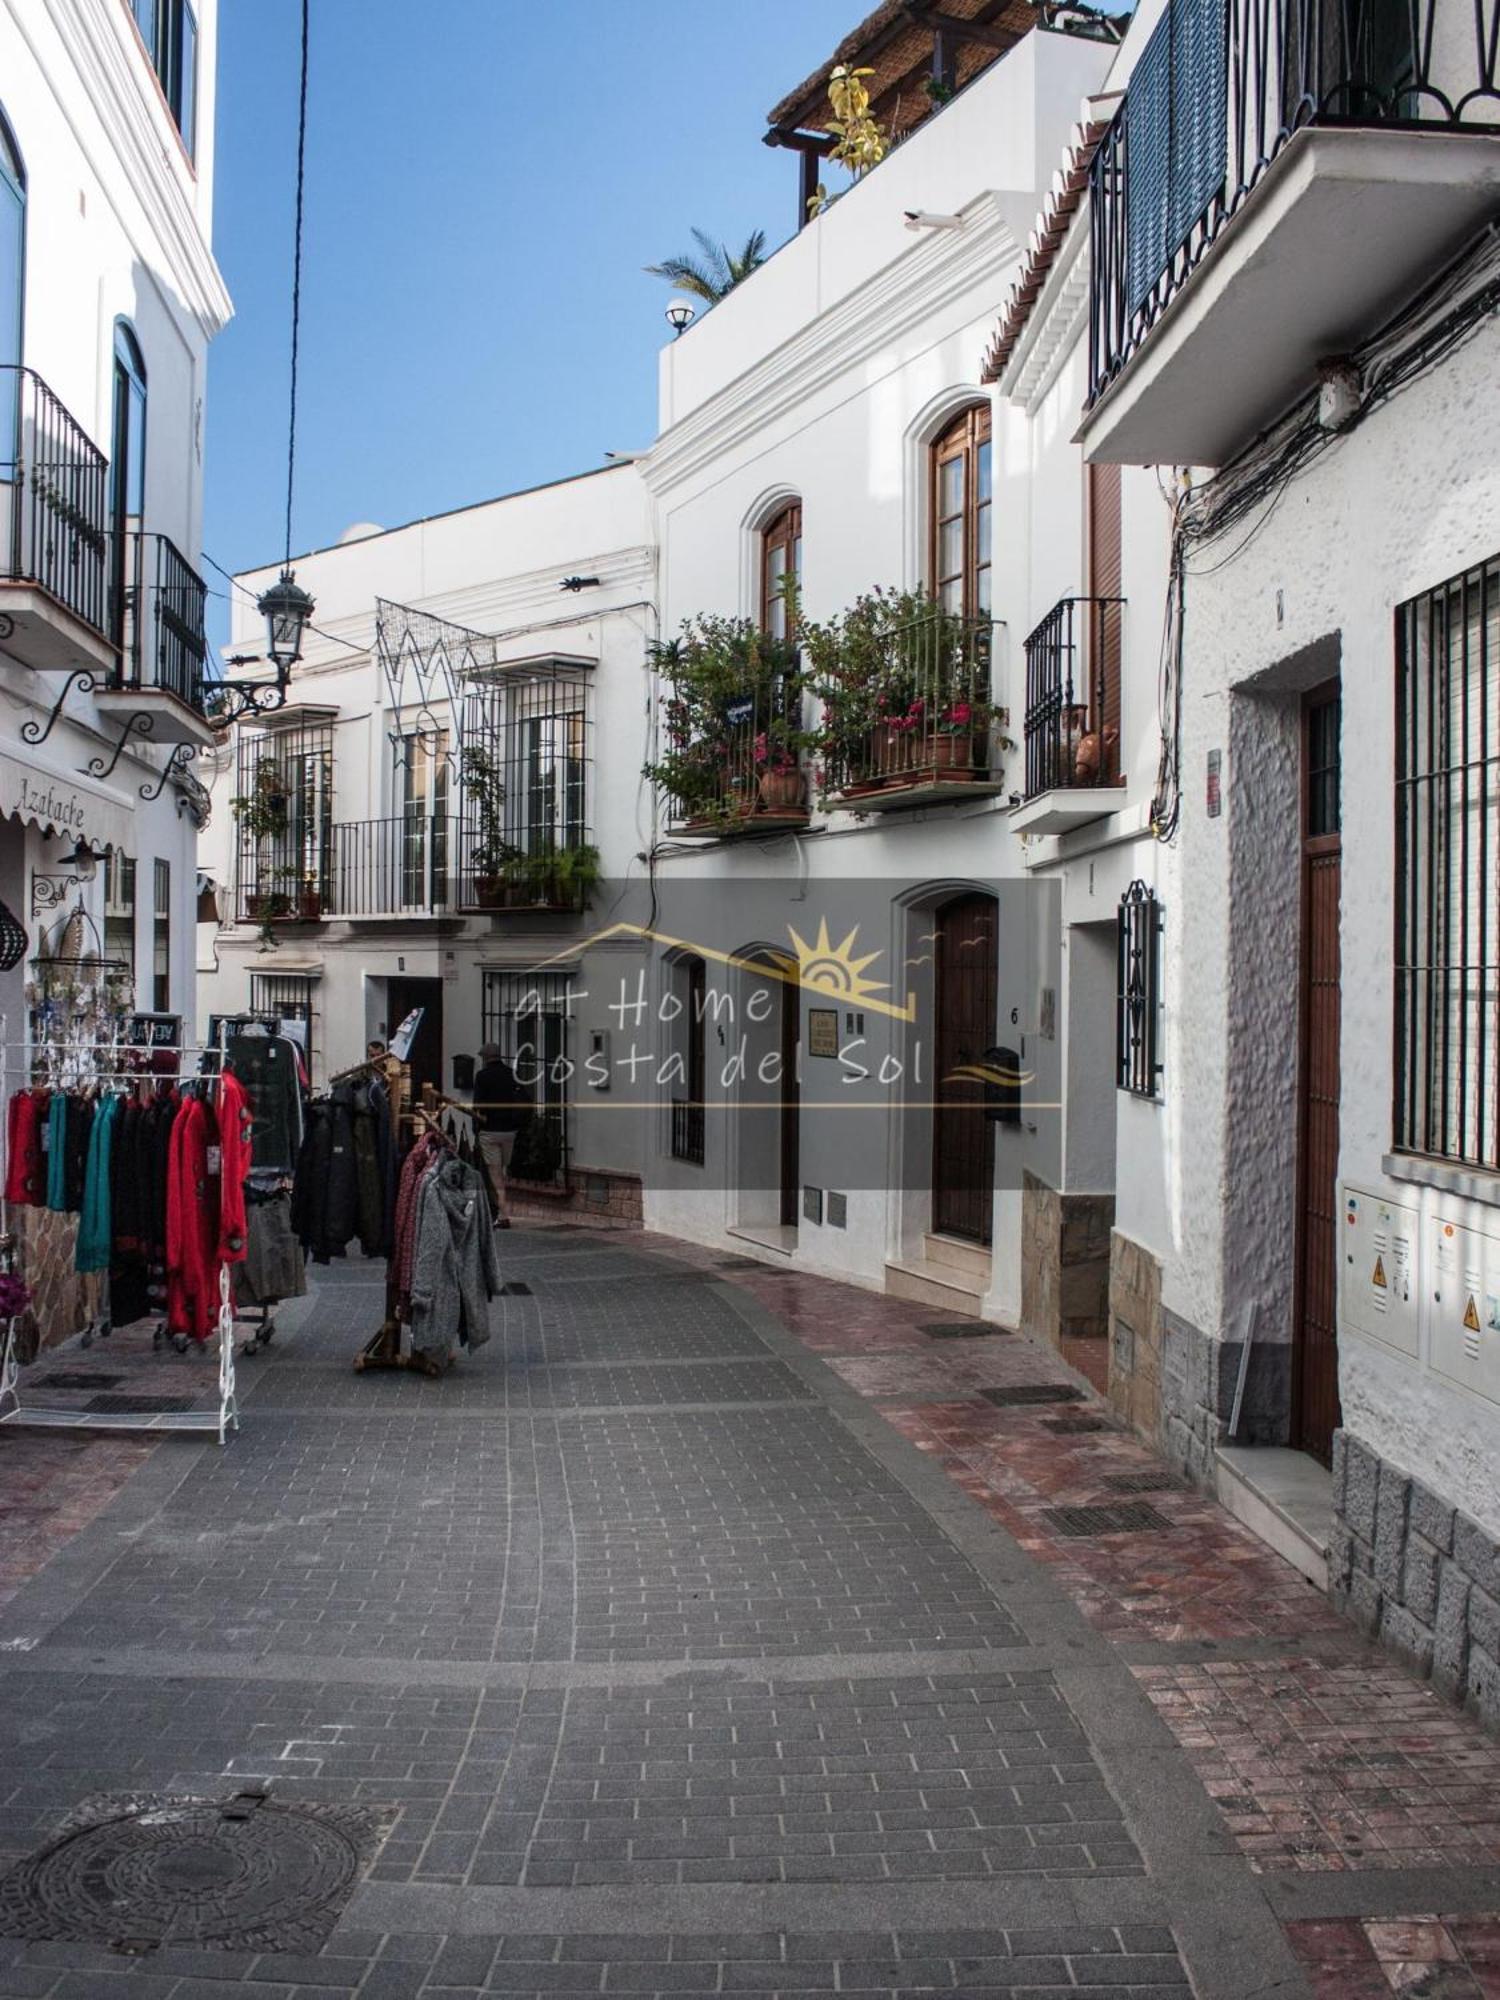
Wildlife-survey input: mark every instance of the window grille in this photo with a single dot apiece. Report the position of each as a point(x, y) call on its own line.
point(161, 936)
point(119, 912)
point(1448, 870)
point(290, 996)
point(529, 1014)
point(1138, 1002)
point(284, 817)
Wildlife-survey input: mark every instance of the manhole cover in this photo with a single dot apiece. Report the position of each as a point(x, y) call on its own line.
point(1131, 1517)
point(129, 1406)
point(960, 1329)
point(1033, 1392)
point(244, 1874)
point(1073, 1426)
point(77, 1378)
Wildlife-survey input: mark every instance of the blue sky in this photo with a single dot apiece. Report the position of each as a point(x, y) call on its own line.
point(485, 180)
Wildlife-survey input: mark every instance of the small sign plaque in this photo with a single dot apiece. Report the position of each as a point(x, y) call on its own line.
point(823, 1031)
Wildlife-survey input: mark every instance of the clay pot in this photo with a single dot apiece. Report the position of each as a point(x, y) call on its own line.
point(781, 791)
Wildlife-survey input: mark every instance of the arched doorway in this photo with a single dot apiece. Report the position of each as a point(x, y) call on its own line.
point(963, 1139)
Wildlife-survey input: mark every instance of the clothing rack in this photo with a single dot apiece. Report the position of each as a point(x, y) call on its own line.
point(383, 1348)
point(14, 1410)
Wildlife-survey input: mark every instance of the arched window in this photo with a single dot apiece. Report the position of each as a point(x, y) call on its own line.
point(127, 466)
point(12, 283)
point(780, 557)
point(959, 561)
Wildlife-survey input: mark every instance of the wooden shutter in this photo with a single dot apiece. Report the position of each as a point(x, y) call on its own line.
point(1104, 582)
point(1200, 114)
point(1148, 149)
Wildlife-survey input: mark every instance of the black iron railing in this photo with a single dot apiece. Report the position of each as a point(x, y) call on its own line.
point(160, 623)
point(923, 717)
point(283, 811)
point(1219, 90)
point(687, 1131)
point(1138, 992)
point(1072, 696)
point(54, 500)
point(743, 772)
point(402, 866)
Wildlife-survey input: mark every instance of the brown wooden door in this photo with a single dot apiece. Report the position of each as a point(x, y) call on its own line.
point(791, 1031)
point(1315, 1387)
point(963, 1140)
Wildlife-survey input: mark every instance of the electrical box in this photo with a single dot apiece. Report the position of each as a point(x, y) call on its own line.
point(1464, 1268)
point(1378, 1288)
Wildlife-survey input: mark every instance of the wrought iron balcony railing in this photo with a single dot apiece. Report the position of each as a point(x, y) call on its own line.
point(743, 775)
point(923, 720)
point(160, 622)
point(1220, 89)
point(1072, 696)
point(397, 867)
point(54, 500)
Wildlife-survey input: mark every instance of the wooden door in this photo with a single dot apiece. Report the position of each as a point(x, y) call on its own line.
point(963, 1140)
point(791, 1114)
point(1315, 1386)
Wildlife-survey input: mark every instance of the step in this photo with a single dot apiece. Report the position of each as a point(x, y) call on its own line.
point(960, 1255)
point(1284, 1497)
point(941, 1285)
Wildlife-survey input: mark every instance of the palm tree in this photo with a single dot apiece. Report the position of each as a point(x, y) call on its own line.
point(716, 271)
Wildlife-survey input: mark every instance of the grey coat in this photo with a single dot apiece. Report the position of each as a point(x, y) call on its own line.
point(455, 1270)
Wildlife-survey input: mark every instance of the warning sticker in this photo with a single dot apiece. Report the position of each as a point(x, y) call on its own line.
point(1379, 1277)
point(1471, 1315)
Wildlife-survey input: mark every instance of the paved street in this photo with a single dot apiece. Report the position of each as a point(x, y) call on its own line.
point(717, 1630)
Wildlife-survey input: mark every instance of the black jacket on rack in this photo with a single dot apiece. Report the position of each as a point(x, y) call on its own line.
point(325, 1195)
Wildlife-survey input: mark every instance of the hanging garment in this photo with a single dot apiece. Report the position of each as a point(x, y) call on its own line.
point(324, 1198)
point(192, 1224)
point(369, 1193)
point(55, 1141)
point(26, 1170)
point(273, 1267)
point(235, 1123)
point(419, 1160)
point(267, 1066)
point(455, 1270)
point(386, 1158)
point(79, 1128)
point(92, 1252)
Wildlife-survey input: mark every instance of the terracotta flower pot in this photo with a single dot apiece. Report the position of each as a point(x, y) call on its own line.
point(891, 751)
point(781, 791)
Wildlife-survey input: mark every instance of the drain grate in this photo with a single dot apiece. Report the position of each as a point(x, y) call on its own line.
point(132, 1406)
point(240, 1874)
point(77, 1378)
point(1033, 1392)
point(961, 1329)
point(515, 1289)
point(1073, 1426)
point(1143, 1482)
point(1129, 1518)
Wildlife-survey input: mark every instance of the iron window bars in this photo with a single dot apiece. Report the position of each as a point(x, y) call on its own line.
point(529, 1015)
point(289, 996)
point(54, 500)
point(396, 867)
point(284, 813)
point(1138, 992)
point(925, 719)
point(1220, 88)
point(1070, 657)
point(523, 780)
point(1447, 999)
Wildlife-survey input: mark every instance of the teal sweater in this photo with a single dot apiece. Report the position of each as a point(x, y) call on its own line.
point(94, 1219)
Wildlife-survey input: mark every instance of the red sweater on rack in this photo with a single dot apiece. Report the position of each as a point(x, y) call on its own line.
point(26, 1173)
point(235, 1125)
point(192, 1224)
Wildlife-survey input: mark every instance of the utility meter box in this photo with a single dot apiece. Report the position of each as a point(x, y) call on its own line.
point(1464, 1268)
point(1379, 1294)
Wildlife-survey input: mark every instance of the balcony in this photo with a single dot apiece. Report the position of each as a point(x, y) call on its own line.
point(163, 648)
point(391, 868)
point(907, 715)
point(54, 540)
point(734, 732)
point(1271, 189)
point(1072, 717)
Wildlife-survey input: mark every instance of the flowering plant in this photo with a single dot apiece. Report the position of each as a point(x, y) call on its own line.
point(15, 1294)
point(773, 752)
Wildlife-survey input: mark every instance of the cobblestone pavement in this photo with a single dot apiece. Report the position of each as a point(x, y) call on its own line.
point(716, 1631)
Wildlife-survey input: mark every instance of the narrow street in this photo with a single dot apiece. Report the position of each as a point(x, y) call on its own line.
point(719, 1630)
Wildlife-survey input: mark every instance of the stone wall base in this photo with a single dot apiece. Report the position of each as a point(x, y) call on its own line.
point(1065, 1262)
point(596, 1195)
point(62, 1302)
point(1414, 1572)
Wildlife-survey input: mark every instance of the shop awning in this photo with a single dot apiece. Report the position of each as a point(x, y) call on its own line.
point(64, 802)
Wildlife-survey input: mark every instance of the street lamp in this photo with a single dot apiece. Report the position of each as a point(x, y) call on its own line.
point(286, 608)
point(680, 316)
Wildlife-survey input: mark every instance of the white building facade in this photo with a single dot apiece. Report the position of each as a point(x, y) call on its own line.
point(109, 297)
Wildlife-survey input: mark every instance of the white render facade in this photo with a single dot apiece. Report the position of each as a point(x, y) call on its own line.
point(109, 297)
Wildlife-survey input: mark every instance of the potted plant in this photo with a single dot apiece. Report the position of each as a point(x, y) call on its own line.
point(491, 855)
point(732, 724)
point(778, 772)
